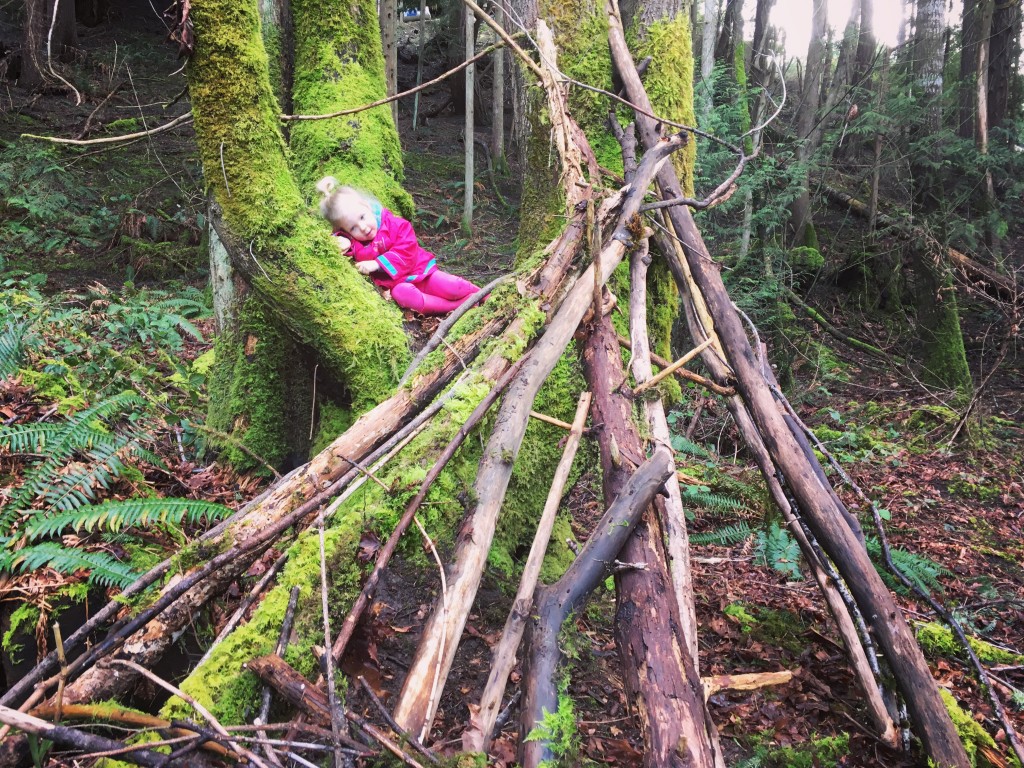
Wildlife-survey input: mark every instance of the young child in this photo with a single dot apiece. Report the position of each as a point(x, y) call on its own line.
point(384, 247)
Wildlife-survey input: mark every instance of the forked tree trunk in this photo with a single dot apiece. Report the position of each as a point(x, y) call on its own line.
point(659, 671)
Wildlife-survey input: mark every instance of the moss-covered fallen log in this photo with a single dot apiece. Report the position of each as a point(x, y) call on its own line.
point(1002, 287)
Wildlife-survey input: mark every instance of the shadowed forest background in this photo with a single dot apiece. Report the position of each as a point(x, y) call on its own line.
point(196, 388)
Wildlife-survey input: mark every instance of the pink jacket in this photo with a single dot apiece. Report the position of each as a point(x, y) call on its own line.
point(396, 250)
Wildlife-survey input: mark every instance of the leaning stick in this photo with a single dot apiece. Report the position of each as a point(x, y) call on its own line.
point(857, 655)
point(477, 737)
point(181, 119)
point(203, 711)
point(677, 543)
point(672, 367)
point(557, 601)
point(446, 325)
point(352, 619)
point(683, 373)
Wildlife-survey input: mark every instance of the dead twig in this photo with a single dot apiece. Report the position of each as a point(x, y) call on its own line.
point(393, 725)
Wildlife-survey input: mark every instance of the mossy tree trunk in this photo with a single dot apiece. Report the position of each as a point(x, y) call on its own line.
point(308, 294)
point(943, 357)
point(801, 219)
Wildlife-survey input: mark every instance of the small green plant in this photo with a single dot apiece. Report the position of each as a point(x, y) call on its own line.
point(817, 752)
point(725, 536)
point(560, 731)
point(776, 548)
point(922, 571)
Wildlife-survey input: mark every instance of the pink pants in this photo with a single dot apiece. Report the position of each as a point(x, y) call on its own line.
point(437, 294)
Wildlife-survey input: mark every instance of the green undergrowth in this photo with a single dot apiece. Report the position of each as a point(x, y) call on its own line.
point(67, 211)
point(817, 752)
point(777, 628)
point(220, 684)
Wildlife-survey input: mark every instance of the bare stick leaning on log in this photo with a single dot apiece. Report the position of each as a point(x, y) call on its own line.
point(931, 720)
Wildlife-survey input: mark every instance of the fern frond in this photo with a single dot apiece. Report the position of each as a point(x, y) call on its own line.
point(29, 438)
point(922, 571)
point(716, 501)
point(63, 490)
point(777, 549)
point(76, 434)
point(114, 516)
point(727, 536)
point(684, 445)
point(103, 568)
point(11, 348)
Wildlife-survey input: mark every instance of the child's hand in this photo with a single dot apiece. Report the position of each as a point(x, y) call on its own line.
point(367, 267)
point(343, 243)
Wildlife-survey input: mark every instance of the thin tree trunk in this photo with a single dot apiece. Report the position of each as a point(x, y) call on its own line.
point(470, 43)
point(498, 99)
point(1004, 61)
point(968, 83)
point(707, 58)
point(985, 11)
point(388, 15)
point(807, 114)
point(943, 356)
point(46, 37)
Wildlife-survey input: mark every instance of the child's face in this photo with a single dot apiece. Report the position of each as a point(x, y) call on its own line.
point(358, 220)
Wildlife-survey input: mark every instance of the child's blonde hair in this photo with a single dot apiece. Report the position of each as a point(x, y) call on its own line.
point(336, 197)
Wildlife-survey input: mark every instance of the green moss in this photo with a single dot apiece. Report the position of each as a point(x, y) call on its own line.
point(21, 624)
point(258, 395)
point(943, 356)
point(125, 125)
point(221, 684)
point(669, 83)
point(52, 381)
point(972, 734)
point(333, 421)
point(138, 739)
point(531, 477)
point(738, 613)
point(204, 362)
point(928, 416)
point(805, 260)
point(970, 486)
point(938, 640)
point(339, 64)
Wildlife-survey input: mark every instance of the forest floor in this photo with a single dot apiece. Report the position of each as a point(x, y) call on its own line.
point(958, 503)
